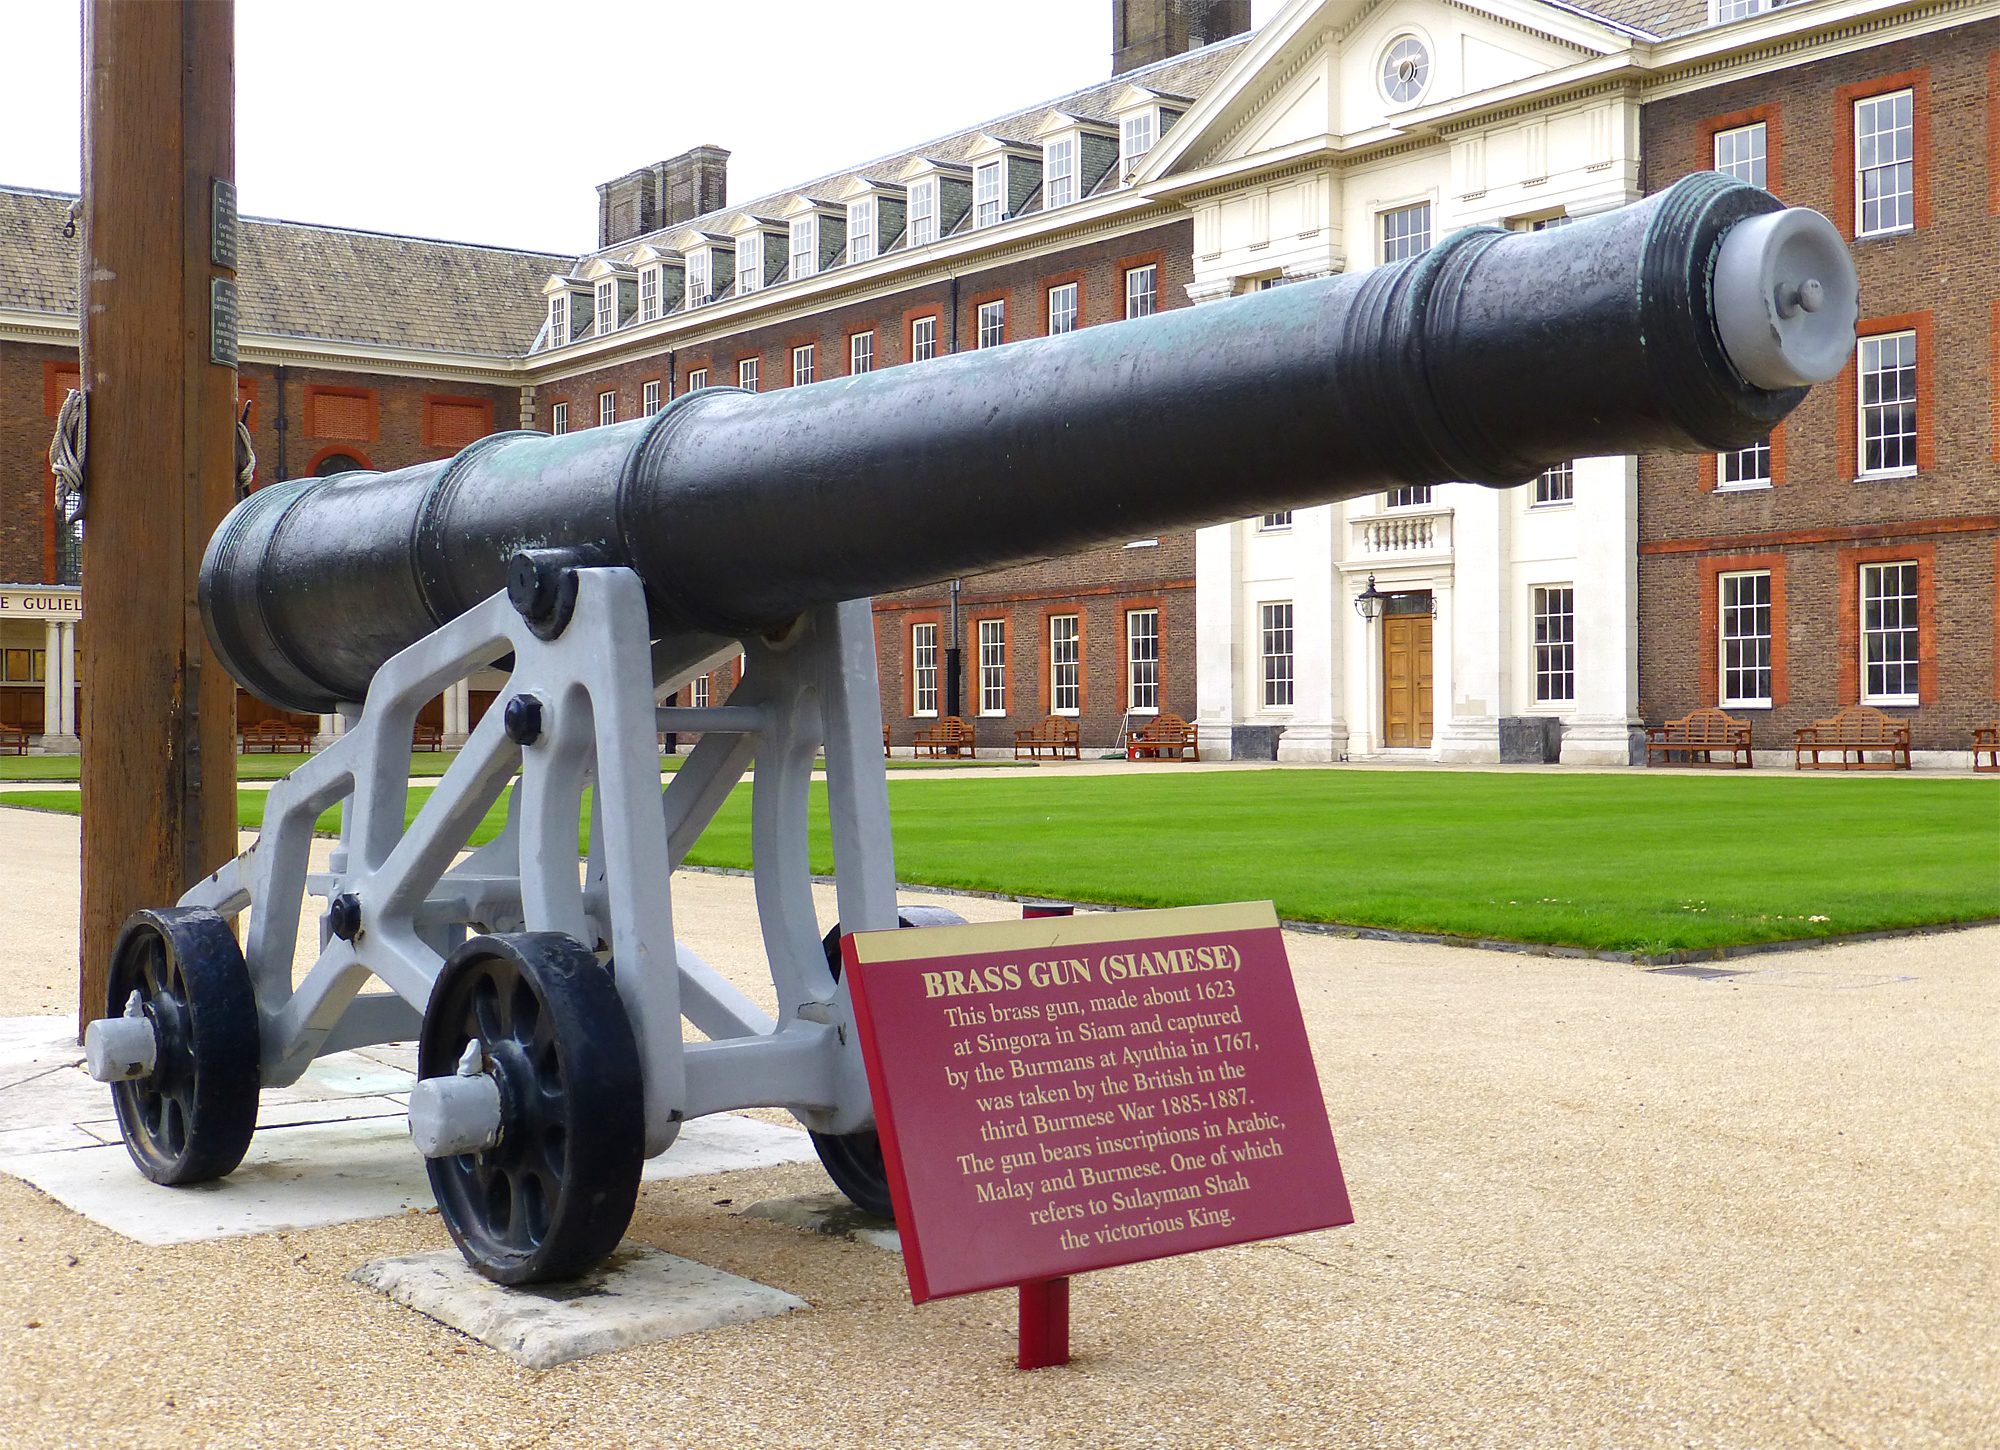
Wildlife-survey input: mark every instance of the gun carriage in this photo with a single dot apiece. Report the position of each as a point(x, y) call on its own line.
point(603, 569)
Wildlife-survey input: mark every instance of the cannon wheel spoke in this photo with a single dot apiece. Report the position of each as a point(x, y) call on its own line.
point(553, 1196)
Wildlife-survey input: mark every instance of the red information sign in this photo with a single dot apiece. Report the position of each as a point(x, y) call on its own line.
point(1070, 1093)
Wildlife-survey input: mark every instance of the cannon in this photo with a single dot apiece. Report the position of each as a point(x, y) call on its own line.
point(538, 972)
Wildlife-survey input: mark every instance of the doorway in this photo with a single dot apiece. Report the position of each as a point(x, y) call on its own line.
point(1406, 672)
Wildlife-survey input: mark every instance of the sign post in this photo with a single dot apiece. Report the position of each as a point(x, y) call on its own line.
point(1074, 1092)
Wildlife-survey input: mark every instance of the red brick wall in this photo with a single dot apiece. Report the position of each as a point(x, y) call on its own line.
point(1821, 522)
point(31, 389)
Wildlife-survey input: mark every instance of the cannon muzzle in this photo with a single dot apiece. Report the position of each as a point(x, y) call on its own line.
point(1692, 320)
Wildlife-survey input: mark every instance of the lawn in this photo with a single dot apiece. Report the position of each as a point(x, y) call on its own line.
point(1651, 863)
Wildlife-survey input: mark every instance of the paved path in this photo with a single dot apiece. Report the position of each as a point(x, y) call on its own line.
point(1597, 1207)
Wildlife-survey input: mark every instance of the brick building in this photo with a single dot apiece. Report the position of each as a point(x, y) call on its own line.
point(1854, 557)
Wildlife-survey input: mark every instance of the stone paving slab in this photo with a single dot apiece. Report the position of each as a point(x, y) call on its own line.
point(637, 1296)
point(829, 1214)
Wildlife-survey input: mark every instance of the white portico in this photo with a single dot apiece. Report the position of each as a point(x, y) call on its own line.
point(38, 663)
point(1344, 137)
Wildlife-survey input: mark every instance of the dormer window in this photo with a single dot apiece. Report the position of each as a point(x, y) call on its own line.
point(923, 212)
point(697, 277)
point(989, 201)
point(1136, 135)
point(861, 229)
point(649, 294)
point(749, 262)
point(607, 305)
point(559, 319)
point(1059, 172)
point(805, 246)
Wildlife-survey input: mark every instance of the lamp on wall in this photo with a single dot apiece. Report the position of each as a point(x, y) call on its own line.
point(1368, 603)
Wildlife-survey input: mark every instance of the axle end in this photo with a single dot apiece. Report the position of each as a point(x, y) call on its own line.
point(1786, 299)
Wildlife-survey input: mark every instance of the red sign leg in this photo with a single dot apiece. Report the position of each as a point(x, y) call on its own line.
point(1044, 1323)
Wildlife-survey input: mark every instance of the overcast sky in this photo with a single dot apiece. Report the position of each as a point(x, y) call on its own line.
point(493, 121)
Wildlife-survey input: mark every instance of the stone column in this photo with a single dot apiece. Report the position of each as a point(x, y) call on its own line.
point(1478, 632)
point(1604, 726)
point(1218, 574)
point(59, 735)
point(457, 713)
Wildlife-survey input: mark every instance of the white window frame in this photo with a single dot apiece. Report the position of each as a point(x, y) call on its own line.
point(989, 193)
point(924, 670)
point(860, 353)
point(861, 230)
point(1278, 523)
point(1869, 350)
point(606, 306)
point(607, 408)
point(921, 224)
point(923, 339)
point(649, 293)
point(1404, 231)
point(1408, 496)
point(746, 373)
point(1138, 133)
point(1142, 290)
point(992, 636)
point(1742, 152)
point(1555, 486)
point(1553, 639)
point(649, 397)
point(1737, 623)
point(1897, 205)
point(803, 257)
point(1744, 469)
point(1277, 648)
point(1065, 664)
point(749, 262)
point(559, 319)
point(1063, 309)
point(993, 321)
point(1142, 661)
point(1060, 180)
point(698, 692)
point(697, 380)
point(804, 365)
point(700, 268)
point(559, 420)
point(1906, 631)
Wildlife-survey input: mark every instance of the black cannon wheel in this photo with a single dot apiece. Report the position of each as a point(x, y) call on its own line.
point(191, 1119)
point(854, 1160)
point(555, 1194)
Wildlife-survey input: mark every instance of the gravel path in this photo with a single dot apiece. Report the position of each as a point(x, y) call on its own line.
point(1597, 1206)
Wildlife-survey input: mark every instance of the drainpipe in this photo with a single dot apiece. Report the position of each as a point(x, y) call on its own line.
point(670, 375)
point(279, 422)
point(953, 656)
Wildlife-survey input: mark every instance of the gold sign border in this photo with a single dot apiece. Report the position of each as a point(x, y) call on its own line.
point(1043, 933)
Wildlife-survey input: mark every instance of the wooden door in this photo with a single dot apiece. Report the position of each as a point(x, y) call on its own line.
point(1406, 680)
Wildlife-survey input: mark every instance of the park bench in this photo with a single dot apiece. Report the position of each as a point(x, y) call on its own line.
point(13, 740)
point(1699, 737)
point(273, 737)
point(950, 736)
point(1055, 737)
point(1852, 734)
point(1986, 744)
point(885, 742)
point(1165, 737)
point(427, 737)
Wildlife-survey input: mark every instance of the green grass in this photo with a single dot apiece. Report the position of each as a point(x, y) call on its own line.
point(60, 768)
point(1650, 863)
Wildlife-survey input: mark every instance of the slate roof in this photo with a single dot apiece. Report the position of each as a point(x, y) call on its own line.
point(328, 283)
point(1660, 18)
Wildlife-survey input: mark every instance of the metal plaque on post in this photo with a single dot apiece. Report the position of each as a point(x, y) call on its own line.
point(222, 321)
point(222, 224)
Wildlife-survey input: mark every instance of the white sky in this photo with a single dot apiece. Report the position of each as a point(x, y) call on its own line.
point(493, 121)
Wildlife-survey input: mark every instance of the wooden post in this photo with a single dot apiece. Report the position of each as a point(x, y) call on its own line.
point(159, 770)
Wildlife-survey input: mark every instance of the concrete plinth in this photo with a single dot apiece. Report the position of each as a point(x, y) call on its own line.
point(637, 1296)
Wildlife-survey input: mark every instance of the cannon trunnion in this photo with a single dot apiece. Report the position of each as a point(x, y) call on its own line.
point(539, 972)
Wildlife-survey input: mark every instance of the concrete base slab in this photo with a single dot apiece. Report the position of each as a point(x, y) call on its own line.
point(830, 1214)
point(332, 1148)
point(637, 1296)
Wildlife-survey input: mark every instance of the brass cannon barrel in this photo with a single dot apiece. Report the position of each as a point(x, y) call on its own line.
point(1691, 320)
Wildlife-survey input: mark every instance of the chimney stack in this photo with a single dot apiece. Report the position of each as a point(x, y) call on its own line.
point(1143, 31)
point(664, 194)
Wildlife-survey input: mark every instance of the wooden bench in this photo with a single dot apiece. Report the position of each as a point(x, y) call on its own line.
point(1056, 737)
point(427, 737)
point(885, 742)
point(273, 737)
point(1165, 737)
point(1700, 736)
point(950, 736)
point(1986, 742)
point(1852, 734)
point(13, 740)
